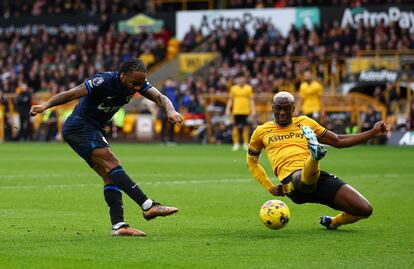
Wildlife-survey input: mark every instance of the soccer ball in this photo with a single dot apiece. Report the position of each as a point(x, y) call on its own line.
point(275, 214)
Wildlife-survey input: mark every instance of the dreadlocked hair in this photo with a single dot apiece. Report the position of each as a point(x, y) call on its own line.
point(133, 64)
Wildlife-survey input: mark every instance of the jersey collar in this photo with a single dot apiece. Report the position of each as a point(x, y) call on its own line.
point(274, 122)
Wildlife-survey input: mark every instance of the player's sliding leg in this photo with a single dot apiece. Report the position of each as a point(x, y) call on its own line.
point(353, 204)
point(103, 157)
point(309, 175)
point(307, 178)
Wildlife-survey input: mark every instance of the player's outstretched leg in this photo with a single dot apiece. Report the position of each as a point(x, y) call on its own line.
point(316, 149)
point(158, 210)
point(353, 204)
point(151, 209)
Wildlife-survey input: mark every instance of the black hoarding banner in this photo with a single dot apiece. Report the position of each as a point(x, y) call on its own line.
point(403, 15)
point(54, 24)
point(51, 24)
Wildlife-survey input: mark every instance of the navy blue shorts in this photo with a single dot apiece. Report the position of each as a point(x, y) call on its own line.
point(83, 137)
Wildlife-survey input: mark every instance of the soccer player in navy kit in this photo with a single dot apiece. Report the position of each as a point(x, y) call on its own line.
point(100, 98)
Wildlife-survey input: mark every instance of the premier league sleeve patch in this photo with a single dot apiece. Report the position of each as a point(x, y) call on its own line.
point(93, 83)
point(96, 81)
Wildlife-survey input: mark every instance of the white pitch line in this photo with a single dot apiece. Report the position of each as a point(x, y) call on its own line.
point(175, 182)
point(159, 182)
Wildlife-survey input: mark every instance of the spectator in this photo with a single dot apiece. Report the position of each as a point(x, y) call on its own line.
point(147, 57)
point(190, 39)
point(310, 92)
point(368, 119)
point(24, 102)
point(52, 125)
point(169, 90)
point(240, 106)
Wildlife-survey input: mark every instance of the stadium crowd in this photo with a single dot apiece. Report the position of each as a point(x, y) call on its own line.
point(53, 63)
point(274, 63)
point(21, 8)
point(269, 61)
point(295, 3)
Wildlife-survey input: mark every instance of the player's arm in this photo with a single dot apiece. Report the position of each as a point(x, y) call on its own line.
point(229, 105)
point(164, 103)
point(257, 171)
point(344, 141)
point(60, 99)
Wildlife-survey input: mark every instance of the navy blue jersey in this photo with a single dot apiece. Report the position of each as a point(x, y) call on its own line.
point(106, 96)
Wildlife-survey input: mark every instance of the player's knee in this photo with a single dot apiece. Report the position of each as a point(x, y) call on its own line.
point(368, 211)
point(365, 210)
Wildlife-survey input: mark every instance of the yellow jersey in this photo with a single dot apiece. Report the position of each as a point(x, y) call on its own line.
point(311, 97)
point(241, 99)
point(286, 147)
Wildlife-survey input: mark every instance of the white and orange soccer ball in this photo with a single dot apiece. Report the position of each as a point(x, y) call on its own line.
point(275, 214)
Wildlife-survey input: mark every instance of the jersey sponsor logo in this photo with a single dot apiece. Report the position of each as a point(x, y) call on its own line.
point(290, 135)
point(111, 97)
point(108, 108)
point(97, 81)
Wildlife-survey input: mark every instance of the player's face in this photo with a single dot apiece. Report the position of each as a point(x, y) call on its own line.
point(133, 80)
point(283, 110)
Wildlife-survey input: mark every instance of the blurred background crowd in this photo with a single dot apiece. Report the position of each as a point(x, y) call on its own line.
point(310, 62)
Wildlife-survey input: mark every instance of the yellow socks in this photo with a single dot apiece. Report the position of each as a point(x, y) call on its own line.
point(344, 218)
point(310, 172)
point(236, 136)
point(246, 134)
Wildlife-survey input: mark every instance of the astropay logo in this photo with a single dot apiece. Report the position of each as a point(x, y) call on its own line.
point(357, 16)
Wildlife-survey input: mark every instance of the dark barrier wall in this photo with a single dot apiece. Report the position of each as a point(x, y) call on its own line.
point(169, 20)
point(69, 23)
point(370, 15)
point(52, 24)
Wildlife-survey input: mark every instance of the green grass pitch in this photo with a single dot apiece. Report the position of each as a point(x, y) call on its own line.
point(52, 212)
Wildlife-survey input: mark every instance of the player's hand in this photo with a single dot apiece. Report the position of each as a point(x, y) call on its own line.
point(277, 191)
point(34, 110)
point(175, 117)
point(380, 127)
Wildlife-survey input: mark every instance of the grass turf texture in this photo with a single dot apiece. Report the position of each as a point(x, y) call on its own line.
point(52, 212)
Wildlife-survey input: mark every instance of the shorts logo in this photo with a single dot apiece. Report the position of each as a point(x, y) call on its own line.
point(97, 81)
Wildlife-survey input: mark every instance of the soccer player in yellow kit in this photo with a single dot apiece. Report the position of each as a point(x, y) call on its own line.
point(241, 104)
point(292, 147)
point(310, 92)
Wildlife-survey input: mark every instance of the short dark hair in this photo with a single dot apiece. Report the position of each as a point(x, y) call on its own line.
point(133, 64)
